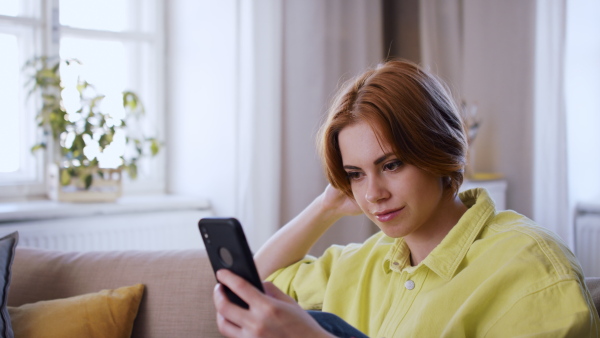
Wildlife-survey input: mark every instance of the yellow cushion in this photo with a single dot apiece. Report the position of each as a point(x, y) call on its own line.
point(108, 313)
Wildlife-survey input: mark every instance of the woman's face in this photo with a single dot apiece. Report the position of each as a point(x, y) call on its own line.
point(401, 199)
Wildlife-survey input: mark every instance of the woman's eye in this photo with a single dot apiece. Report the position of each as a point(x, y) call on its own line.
point(354, 175)
point(392, 166)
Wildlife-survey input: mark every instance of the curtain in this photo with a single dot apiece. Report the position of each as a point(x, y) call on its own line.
point(582, 88)
point(551, 195)
point(442, 40)
point(258, 174)
point(513, 71)
point(325, 43)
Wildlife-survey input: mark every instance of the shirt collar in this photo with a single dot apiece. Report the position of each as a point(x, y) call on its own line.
point(446, 257)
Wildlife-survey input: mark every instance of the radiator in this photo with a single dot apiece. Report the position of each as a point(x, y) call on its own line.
point(587, 238)
point(127, 226)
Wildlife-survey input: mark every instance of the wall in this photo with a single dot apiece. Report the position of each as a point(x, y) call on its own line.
point(202, 118)
point(485, 51)
point(498, 77)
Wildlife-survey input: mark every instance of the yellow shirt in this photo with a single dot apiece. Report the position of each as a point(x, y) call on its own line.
point(493, 275)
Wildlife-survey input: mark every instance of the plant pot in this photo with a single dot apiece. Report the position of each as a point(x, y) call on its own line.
point(105, 187)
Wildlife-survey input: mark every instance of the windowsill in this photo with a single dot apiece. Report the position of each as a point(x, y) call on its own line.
point(46, 209)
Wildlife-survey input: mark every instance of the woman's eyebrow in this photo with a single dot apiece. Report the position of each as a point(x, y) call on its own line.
point(376, 162)
point(382, 158)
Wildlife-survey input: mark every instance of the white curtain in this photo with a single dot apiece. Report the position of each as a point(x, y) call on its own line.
point(551, 193)
point(582, 87)
point(259, 106)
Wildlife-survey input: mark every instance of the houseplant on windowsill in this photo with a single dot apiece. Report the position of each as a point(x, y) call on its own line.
point(89, 143)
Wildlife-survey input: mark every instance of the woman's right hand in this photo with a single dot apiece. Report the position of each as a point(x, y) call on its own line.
point(338, 203)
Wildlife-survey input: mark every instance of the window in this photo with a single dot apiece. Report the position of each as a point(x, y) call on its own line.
point(119, 43)
point(582, 86)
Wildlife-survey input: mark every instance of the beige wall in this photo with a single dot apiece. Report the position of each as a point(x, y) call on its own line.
point(498, 77)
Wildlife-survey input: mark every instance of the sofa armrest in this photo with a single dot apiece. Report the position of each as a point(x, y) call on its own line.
point(593, 284)
point(177, 300)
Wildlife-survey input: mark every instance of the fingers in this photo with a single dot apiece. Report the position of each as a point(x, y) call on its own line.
point(229, 315)
point(227, 328)
point(246, 291)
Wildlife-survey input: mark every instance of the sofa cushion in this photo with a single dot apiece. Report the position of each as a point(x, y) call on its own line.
point(593, 284)
point(108, 313)
point(8, 244)
point(178, 291)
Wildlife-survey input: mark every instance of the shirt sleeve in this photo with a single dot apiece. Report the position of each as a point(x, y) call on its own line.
point(538, 315)
point(306, 280)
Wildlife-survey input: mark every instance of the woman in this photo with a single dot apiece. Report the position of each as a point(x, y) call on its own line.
point(444, 264)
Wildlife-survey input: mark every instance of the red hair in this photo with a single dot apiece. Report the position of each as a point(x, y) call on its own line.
point(407, 107)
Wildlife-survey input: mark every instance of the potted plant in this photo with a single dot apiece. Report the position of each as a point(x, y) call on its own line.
point(79, 134)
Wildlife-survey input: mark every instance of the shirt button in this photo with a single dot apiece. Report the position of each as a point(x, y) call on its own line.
point(396, 263)
point(409, 285)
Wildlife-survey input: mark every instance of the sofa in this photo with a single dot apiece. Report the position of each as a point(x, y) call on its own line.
point(177, 299)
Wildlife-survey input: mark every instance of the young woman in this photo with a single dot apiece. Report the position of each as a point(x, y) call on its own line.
point(444, 264)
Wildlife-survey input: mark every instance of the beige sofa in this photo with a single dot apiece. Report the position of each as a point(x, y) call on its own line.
point(177, 300)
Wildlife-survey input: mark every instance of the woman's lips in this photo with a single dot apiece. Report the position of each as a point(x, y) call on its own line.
point(387, 215)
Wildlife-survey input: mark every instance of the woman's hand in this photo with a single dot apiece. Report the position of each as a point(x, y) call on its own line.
point(293, 241)
point(273, 314)
point(339, 203)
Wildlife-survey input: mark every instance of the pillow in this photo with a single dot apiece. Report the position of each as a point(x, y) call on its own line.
point(8, 244)
point(108, 313)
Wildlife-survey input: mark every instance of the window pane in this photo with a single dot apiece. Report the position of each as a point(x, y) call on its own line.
point(104, 65)
point(10, 137)
point(9, 7)
point(112, 15)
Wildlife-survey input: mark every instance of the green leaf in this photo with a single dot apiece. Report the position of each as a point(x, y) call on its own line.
point(65, 178)
point(154, 147)
point(103, 141)
point(132, 170)
point(88, 181)
point(38, 147)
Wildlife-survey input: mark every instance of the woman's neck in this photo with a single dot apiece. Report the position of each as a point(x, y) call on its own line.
point(423, 241)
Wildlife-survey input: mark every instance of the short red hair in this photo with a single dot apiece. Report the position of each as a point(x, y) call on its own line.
point(409, 108)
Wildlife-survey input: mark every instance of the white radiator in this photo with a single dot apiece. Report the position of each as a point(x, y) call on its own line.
point(148, 224)
point(587, 238)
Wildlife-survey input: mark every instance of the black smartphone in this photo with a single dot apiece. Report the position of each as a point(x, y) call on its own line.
point(227, 248)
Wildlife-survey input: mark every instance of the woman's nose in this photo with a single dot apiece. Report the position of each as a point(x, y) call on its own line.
point(376, 190)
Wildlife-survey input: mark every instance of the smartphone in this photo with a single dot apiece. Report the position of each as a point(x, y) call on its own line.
point(227, 248)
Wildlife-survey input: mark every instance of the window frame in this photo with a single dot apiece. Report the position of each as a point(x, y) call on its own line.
point(43, 20)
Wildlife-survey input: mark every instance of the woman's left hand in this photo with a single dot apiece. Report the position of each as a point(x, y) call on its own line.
point(272, 314)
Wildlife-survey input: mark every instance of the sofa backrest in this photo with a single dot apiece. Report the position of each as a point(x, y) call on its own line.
point(177, 299)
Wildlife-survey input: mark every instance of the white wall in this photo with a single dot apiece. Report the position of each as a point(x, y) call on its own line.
point(201, 110)
point(224, 108)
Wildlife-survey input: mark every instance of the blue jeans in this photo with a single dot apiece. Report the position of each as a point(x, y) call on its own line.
point(336, 325)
